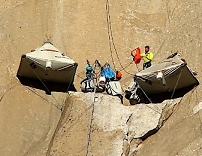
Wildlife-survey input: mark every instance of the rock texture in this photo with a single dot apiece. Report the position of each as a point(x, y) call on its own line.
point(28, 121)
point(34, 123)
point(106, 127)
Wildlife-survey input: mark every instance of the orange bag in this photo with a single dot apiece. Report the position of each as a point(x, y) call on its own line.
point(137, 57)
point(118, 75)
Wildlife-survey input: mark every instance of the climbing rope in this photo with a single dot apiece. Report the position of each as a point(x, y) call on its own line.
point(110, 36)
point(111, 41)
point(90, 121)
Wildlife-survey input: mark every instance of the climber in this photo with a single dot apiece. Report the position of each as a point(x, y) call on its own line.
point(147, 57)
point(89, 71)
point(87, 84)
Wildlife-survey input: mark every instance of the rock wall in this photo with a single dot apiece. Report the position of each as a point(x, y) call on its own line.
point(105, 126)
point(33, 121)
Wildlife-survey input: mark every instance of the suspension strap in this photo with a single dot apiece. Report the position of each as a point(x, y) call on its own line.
point(177, 83)
point(44, 86)
point(71, 81)
point(148, 99)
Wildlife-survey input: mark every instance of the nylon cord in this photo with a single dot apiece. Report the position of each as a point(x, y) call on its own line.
point(111, 40)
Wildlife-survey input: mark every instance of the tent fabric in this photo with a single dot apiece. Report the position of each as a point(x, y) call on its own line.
point(174, 71)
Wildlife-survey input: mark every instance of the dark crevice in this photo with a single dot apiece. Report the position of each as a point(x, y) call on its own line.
point(59, 125)
point(149, 133)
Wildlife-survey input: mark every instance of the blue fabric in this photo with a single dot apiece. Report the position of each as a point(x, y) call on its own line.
point(89, 68)
point(108, 73)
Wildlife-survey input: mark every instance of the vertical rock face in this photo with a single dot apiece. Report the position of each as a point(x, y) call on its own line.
point(34, 123)
point(28, 121)
point(106, 127)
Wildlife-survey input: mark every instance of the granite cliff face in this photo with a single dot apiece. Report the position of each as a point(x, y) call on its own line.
point(34, 123)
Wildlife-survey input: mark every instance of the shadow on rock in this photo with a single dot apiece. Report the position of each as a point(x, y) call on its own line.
point(47, 86)
point(159, 98)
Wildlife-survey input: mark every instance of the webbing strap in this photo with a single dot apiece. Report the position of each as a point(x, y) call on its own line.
point(176, 83)
point(45, 87)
